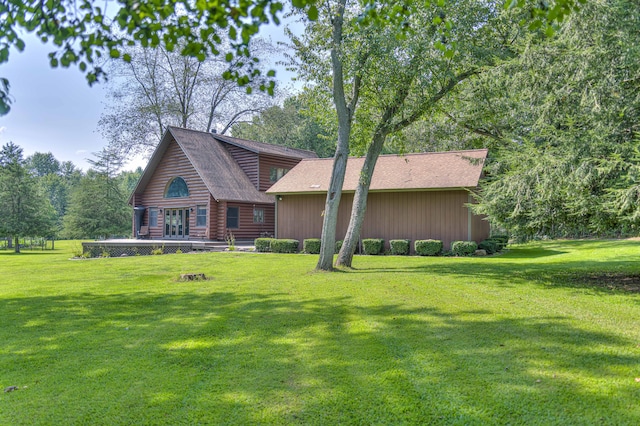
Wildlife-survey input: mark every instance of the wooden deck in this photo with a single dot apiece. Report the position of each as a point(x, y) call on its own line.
point(132, 247)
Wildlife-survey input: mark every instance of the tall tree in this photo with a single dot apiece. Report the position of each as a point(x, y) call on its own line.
point(158, 88)
point(294, 124)
point(564, 119)
point(24, 210)
point(398, 69)
point(98, 207)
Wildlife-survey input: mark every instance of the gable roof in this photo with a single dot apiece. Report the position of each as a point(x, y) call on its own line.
point(222, 176)
point(265, 148)
point(433, 170)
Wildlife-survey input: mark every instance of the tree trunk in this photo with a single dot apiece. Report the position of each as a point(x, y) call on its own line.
point(17, 250)
point(330, 220)
point(345, 114)
point(10, 242)
point(359, 207)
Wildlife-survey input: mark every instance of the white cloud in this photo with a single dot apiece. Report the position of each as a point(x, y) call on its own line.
point(2, 129)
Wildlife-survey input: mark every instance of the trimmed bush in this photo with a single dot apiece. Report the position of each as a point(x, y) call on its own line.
point(311, 246)
point(490, 246)
point(338, 246)
point(263, 245)
point(463, 248)
point(373, 246)
point(428, 247)
point(284, 246)
point(504, 239)
point(400, 247)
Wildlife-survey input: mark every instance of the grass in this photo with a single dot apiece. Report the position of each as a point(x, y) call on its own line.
point(548, 333)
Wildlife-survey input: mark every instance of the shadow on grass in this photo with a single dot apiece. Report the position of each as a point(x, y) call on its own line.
point(192, 358)
point(27, 252)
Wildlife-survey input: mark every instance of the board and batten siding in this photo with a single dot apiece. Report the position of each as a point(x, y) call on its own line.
point(174, 163)
point(415, 215)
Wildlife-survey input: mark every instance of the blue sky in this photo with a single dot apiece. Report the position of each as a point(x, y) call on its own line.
point(55, 110)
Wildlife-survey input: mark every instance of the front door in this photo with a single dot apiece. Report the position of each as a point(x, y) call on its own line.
point(176, 223)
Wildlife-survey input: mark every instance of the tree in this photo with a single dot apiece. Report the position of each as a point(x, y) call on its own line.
point(396, 74)
point(24, 210)
point(293, 124)
point(158, 88)
point(98, 206)
point(42, 164)
point(563, 118)
point(85, 33)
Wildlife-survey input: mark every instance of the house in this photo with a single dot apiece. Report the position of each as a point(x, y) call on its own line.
point(414, 196)
point(201, 185)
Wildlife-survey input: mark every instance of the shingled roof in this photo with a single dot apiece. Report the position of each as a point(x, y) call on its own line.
point(265, 148)
point(223, 177)
point(433, 170)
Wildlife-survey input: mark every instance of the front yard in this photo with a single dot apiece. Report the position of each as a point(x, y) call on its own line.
point(548, 333)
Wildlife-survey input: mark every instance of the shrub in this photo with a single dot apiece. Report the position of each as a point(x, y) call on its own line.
point(263, 245)
point(373, 246)
point(400, 247)
point(311, 246)
point(504, 239)
point(428, 247)
point(284, 246)
point(338, 246)
point(490, 246)
point(463, 248)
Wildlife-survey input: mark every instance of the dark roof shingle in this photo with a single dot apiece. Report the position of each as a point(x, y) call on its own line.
point(214, 164)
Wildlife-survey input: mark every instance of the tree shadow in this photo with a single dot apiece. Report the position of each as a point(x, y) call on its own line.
point(226, 357)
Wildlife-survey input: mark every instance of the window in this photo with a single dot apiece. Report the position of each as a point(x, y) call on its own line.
point(177, 188)
point(201, 216)
point(233, 217)
point(277, 173)
point(258, 215)
point(153, 216)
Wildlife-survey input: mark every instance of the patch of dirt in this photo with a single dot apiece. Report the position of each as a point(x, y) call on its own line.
point(613, 281)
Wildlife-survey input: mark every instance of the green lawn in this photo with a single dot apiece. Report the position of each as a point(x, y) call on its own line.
point(548, 333)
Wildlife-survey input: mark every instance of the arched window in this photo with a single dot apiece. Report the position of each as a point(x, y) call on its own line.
point(177, 188)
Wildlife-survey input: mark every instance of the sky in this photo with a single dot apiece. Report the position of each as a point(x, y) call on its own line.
point(55, 110)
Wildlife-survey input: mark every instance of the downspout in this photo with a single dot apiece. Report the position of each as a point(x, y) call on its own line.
point(276, 219)
point(469, 219)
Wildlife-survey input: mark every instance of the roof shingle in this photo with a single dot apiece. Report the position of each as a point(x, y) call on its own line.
point(433, 170)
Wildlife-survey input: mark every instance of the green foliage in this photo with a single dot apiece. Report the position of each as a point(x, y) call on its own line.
point(295, 124)
point(263, 245)
point(85, 34)
point(311, 245)
point(463, 248)
point(428, 247)
point(372, 246)
point(24, 209)
point(562, 121)
point(400, 247)
point(338, 246)
point(284, 246)
point(490, 246)
point(98, 206)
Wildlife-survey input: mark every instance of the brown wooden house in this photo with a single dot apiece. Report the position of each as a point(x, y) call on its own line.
point(415, 196)
point(200, 185)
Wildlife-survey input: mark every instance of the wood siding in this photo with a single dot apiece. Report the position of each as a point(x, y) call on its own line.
point(247, 229)
point(438, 215)
point(248, 162)
point(269, 161)
point(174, 163)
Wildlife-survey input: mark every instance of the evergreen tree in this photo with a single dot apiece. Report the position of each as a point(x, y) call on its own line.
point(25, 211)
